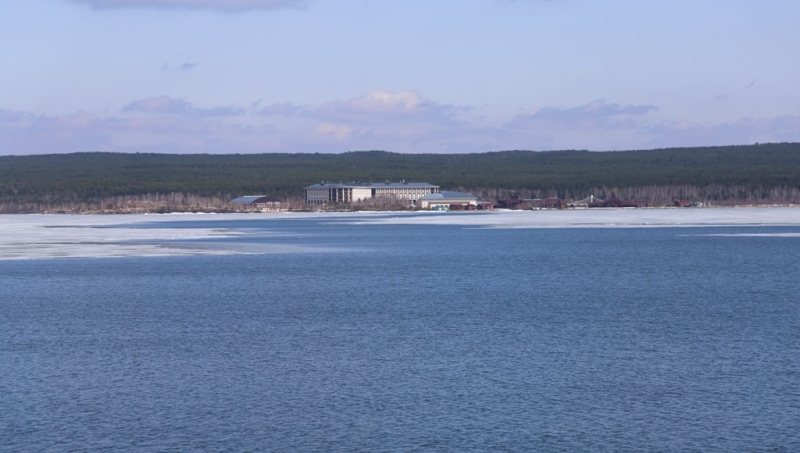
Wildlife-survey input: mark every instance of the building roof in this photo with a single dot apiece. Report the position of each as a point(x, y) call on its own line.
point(373, 185)
point(449, 196)
point(254, 199)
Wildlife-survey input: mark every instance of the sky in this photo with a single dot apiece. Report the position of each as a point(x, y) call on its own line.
point(411, 76)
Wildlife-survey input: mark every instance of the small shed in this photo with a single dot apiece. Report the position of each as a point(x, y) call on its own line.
point(258, 202)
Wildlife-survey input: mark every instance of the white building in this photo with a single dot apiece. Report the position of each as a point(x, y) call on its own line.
point(324, 193)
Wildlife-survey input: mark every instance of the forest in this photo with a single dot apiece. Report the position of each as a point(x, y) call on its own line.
point(91, 181)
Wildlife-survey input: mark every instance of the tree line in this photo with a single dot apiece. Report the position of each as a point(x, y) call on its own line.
point(753, 174)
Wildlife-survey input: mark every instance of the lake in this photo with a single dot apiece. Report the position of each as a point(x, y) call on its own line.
point(558, 330)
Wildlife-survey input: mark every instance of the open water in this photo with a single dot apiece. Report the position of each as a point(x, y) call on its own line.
point(349, 337)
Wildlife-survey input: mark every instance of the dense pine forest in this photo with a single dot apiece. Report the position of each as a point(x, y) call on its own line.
point(83, 182)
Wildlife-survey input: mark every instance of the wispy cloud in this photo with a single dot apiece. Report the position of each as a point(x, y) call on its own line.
point(785, 128)
point(176, 106)
point(753, 84)
point(219, 5)
point(593, 114)
point(279, 109)
point(598, 124)
point(28, 133)
point(12, 116)
point(186, 66)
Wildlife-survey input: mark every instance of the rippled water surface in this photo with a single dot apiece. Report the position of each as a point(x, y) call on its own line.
point(338, 334)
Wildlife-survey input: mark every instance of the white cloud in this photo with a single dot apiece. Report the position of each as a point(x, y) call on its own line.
point(219, 5)
point(381, 106)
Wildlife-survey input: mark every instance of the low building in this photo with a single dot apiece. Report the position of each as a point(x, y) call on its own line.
point(613, 202)
point(327, 193)
point(445, 201)
point(258, 203)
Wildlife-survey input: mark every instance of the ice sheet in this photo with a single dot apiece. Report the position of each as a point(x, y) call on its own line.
point(51, 236)
point(603, 218)
point(54, 236)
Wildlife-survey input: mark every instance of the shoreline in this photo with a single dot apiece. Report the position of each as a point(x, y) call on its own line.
point(344, 211)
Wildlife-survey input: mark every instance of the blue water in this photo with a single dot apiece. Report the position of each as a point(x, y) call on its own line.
point(410, 337)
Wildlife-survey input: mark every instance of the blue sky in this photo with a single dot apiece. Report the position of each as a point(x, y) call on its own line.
point(444, 76)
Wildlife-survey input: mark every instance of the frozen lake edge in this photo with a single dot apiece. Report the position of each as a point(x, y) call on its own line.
point(41, 236)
